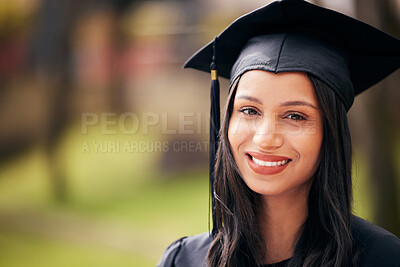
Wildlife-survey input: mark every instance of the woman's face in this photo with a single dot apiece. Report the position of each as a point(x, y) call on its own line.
point(275, 131)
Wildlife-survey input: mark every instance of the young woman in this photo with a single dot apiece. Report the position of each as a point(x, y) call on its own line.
point(281, 183)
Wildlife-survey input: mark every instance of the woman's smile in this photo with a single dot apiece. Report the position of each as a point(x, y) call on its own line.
point(267, 164)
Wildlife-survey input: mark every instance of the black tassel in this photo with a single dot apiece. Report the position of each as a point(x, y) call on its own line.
point(214, 130)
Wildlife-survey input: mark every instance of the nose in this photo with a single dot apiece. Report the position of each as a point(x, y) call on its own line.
point(268, 134)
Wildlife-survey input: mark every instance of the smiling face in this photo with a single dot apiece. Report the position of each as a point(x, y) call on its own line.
point(276, 131)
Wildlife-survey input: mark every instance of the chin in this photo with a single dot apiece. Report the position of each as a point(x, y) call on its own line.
point(268, 188)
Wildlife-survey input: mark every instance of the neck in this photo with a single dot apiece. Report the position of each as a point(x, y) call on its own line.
point(281, 219)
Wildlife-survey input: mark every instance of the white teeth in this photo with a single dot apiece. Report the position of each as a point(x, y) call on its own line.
point(270, 163)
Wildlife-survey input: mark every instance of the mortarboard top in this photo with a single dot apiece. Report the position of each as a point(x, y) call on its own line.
point(369, 54)
point(293, 35)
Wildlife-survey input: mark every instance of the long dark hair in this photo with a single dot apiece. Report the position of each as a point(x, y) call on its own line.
point(326, 237)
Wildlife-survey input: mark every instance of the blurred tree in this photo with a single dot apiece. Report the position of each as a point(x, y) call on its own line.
point(50, 58)
point(15, 18)
point(379, 129)
point(52, 61)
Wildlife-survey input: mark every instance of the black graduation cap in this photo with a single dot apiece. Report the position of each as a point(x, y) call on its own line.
point(293, 35)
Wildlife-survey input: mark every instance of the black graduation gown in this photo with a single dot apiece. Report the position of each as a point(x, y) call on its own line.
point(378, 246)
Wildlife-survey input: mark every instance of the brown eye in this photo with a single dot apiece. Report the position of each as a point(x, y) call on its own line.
point(296, 117)
point(248, 111)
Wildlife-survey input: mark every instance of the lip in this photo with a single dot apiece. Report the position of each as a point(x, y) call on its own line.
point(266, 170)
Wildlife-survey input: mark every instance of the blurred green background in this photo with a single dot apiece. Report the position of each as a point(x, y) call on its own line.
point(103, 137)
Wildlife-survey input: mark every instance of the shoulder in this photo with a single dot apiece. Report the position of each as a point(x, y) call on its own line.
point(377, 246)
point(187, 251)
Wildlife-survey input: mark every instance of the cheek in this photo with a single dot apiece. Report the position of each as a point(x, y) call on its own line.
point(309, 145)
point(238, 132)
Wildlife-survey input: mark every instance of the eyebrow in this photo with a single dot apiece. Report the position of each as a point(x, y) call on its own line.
point(284, 104)
point(298, 103)
point(250, 98)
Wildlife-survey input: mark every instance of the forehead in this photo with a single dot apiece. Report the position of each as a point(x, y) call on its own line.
point(276, 88)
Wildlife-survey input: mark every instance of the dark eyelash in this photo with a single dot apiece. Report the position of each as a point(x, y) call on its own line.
point(301, 117)
point(243, 110)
